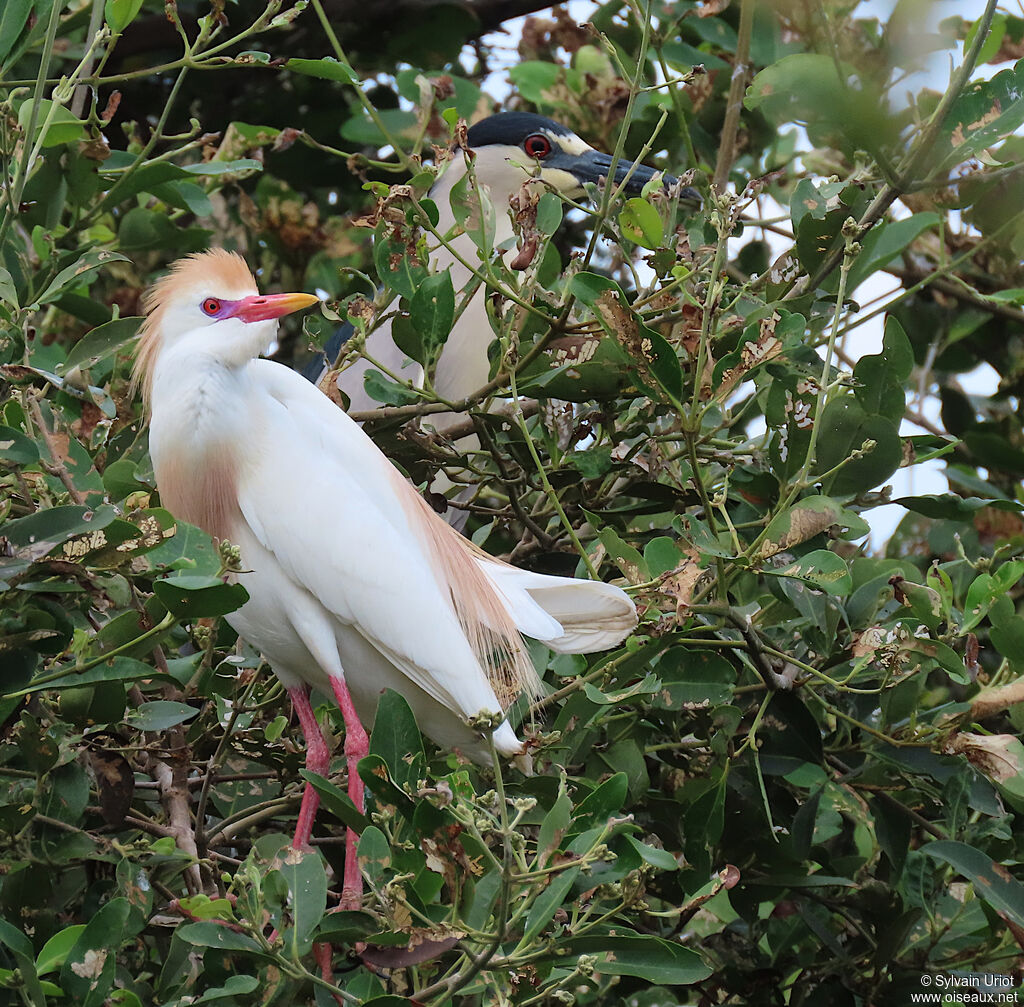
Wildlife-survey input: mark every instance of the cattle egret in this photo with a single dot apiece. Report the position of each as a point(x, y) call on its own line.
point(355, 585)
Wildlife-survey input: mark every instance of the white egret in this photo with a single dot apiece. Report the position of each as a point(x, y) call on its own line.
point(355, 585)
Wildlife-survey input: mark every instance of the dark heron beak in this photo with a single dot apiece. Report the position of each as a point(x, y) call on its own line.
point(593, 166)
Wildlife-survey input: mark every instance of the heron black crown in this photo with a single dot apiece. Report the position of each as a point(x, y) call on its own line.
point(511, 128)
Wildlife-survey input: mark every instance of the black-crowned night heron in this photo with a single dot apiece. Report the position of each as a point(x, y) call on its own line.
point(510, 148)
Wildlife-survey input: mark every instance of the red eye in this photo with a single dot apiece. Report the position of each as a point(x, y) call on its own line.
point(537, 145)
point(211, 305)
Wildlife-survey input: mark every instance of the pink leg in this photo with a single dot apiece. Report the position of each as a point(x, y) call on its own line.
point(357, 745)
point(317, 760)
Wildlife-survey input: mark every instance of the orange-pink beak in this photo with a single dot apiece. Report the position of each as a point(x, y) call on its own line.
point(260, 307)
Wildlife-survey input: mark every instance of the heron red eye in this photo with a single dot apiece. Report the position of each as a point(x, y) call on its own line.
point(211, 305)
point(537, 145)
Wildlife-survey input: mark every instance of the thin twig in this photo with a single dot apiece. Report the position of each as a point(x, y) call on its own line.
point(57, 466)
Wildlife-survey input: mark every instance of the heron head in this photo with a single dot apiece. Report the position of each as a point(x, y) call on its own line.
point(516, 145)
point(209, 303)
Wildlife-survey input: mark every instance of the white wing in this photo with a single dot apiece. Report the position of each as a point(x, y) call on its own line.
point(319, 495)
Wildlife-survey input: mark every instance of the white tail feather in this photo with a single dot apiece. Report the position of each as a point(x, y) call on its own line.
point(497, 603)
point(569, 616)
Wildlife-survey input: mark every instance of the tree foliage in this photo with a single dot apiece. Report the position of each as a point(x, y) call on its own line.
point(798, 781)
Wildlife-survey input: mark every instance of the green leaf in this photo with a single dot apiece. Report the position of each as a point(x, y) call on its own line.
point(592, 462)
point(117, 669)
point(374, 773)
point(307, 887)
point(57, 525)
point(894, 832)
point(533, 78)
point(146, 178)
point(8, 291)
point(647, 686)
point(884, 242)
point(925, 602)
point(881, 376)
point(396, 265)
point(374, 854)
point(239, 166)
point(13, 18)
point(336, 801)
point(474, 213)
point(16, 448)
point(950, 507)
point(208, 934)
point(555, 824)
point(821, 569)
point(827, 96)
point(327, 68)
point(649, 958)
point(382, 389)
point(983, 113)
point(601, 803)
point(121, 13)
point(190, 548)
point(549, 213)
point(993, 883)
point(986, 589)
point(90, 967)
point(234, 986)
point(432, 311)
point(812, 199)
point(578, 368)
point(398, 122)
point(202, 907)
point(13, 938)
point(642, 224)
point(21, 952)
point(625, 556)
point(186, 196)
point(396, 739)
point(658, 858)
point(588, 287)
point(804, 520)
point(74, 275)
point(141, 229)
point(62, 128)
point(192, 596)
point(1007, 636)
point(693, 677)
point(799, 88)
point(126, 998)
point(101, 342)
point(543, 909)
point(845, 428)
point(346, 927)
point(159, 715)
point(994, 40)
point(993, 450)
point(57, 948)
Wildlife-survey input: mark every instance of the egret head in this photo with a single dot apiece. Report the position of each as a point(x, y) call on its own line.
point(512, 146)
point(209, 303)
